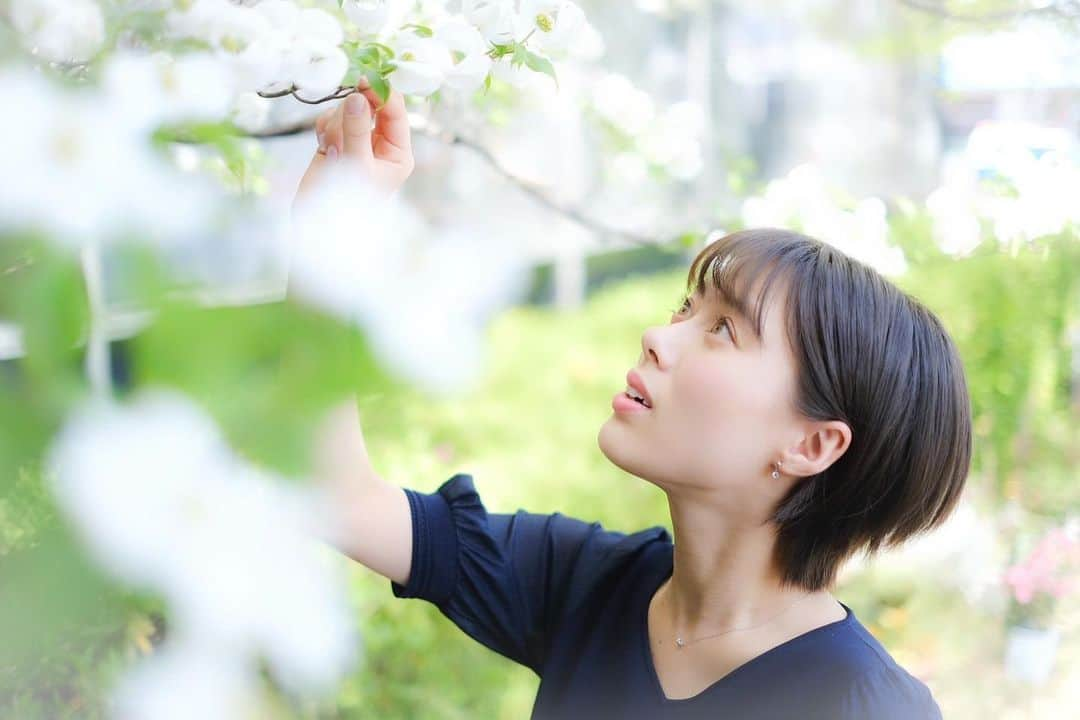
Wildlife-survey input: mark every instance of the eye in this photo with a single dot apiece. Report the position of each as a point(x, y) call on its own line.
point(724, 322)
point(680, 309)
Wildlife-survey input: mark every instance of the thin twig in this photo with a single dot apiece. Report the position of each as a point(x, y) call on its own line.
point(341, 92)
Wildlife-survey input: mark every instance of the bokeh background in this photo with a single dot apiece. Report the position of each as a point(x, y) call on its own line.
point(938, 141)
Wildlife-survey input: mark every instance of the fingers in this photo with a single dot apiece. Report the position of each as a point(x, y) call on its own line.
point(321, 123)
point(392, 125)
point(356, 128)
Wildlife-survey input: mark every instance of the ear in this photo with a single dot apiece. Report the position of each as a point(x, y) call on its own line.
point(822, 445)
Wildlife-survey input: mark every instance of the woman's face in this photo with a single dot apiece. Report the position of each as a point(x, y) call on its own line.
point(722, 401)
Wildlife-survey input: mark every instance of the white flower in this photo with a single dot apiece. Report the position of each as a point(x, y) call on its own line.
point(60, 30)
point(555, 24)
point(250, 111)
point(317, 69)
point(420, 64)
point(162, 502)
point(497, 20)
point(469, 61)
point(319, 26)
point(370, 16)
point(260, 65)
point(281, 13)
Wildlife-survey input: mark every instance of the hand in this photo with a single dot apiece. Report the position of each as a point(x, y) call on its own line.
point(384, 153)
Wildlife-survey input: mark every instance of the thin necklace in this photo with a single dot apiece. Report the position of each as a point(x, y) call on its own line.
point(680, 643)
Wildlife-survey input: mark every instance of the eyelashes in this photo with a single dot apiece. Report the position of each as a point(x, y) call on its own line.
point(724, 320)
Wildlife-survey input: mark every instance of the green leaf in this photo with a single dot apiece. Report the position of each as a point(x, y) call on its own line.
point(266, 373)
point(539, 64)
point(378, 84)
point(520, 55)
point(421, 30)
point(385, 51)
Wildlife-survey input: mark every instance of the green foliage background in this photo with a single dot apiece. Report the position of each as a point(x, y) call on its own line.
point(528, 436)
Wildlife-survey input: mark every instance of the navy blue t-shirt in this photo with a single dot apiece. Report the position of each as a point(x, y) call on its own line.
point(570, 600)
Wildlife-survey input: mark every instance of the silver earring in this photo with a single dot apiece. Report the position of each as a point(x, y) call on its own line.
point(776, 471)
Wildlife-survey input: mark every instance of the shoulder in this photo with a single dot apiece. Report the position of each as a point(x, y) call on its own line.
point(871, 682)
point(889, 692)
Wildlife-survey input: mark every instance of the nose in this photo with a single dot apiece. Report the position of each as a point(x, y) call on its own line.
point(655, 346)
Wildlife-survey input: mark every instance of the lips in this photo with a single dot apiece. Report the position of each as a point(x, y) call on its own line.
point(634, 380)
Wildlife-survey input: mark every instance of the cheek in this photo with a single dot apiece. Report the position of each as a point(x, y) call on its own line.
point(728, 395)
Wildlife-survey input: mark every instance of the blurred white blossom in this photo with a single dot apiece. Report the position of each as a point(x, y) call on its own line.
point(803, 200)
point(59, 30)
point(620, 103)
point(159, 88)
point(370, 16)
point(83, 169)
point(183, 680)
point(1018, 180)
point(670, 141)
point(163, 503)
point(251, 111)
point(422, 296)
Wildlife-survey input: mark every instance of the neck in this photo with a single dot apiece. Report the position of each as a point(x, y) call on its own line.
point(723, 574)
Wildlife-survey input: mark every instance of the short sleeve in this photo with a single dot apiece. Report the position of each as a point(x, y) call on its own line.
point(890, 693)
point(504, 579)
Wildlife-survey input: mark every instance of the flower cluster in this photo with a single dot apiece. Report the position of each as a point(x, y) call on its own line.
point(805, 201)
point(274, 45)
point(1048, 573)
point(1013, 183)
point(90, 150)
point(163, 504)
point(667, 142)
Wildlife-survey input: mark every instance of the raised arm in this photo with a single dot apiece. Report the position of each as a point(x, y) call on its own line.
point(370, 520)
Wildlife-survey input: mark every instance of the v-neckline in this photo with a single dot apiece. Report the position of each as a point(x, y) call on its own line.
point(650, 664)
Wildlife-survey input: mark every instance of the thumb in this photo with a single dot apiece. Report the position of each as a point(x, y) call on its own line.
point(356, 128)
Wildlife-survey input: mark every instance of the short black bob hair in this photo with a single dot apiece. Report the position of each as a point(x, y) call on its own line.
point(872, 356)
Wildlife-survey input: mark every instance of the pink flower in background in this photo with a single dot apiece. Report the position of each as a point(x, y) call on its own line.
point(1050, 568)
point(445, 452)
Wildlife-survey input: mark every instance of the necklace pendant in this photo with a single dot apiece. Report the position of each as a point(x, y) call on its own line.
point(679, 642)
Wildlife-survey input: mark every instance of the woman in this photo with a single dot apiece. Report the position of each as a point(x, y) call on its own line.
point(796, 410)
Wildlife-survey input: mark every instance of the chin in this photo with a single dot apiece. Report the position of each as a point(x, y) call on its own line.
point(615, 450)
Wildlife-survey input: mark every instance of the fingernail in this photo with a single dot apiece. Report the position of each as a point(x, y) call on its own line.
point(322, 142)
point(331, 153)
point(363, 83)
point(354, 104)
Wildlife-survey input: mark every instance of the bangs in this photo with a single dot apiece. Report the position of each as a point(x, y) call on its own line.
point(734, 264)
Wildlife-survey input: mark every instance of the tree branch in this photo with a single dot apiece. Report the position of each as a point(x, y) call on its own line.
point(538, 194)
point(1068, 9)
point(533, 191)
